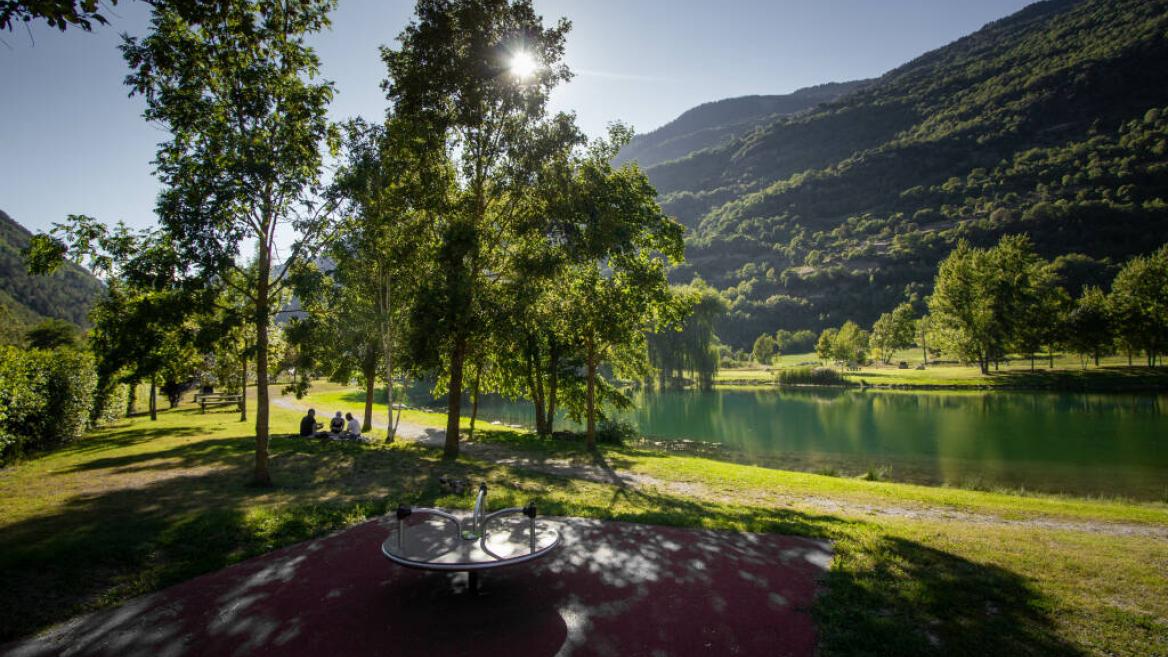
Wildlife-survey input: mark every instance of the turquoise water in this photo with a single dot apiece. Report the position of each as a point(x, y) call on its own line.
point(1092, 444)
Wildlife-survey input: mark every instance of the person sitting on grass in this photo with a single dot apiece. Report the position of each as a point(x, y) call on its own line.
point(336, 426)
point(308, 424)
point(353, 430)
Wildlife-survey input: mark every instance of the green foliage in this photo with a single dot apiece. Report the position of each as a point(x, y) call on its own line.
point(765, 348)
point(51, 334)
point(236, 85)
point(1089, 325)
point(57, 13)
point(1139, 303)
point(820, 376)
point(795, 342)
point(987, 300)
point(893, 331)
point(615, 431)
point(46, 398)
point(692, 346)
point(1050, 122)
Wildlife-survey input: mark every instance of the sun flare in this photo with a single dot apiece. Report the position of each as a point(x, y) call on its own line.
point(523, 64)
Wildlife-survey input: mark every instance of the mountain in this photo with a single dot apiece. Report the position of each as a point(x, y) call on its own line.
point(27, 300)
point(713, 124)
point(1051, 122)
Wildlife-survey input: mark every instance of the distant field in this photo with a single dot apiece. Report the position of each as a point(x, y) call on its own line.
point(1068, 372)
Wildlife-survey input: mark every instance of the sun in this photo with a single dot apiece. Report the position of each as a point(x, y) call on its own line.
point(523, 64)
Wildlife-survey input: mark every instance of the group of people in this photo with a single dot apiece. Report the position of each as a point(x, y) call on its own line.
point(340, 428)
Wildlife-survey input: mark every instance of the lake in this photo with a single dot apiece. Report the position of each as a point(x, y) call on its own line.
point(1084, 444)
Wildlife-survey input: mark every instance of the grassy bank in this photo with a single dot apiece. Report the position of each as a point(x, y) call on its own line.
point(1068, 373)
point(141, 505)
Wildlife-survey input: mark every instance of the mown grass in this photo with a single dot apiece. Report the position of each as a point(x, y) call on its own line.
point(138, 506)
point(1068, 373)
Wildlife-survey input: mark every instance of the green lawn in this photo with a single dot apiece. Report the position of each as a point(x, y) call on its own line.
point(140, 505)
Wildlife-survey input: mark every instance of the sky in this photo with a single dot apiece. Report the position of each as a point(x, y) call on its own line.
point(73, 142)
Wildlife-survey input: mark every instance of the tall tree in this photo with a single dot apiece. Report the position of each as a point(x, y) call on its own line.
point(892, 331)
point(1089, 328)
point(1139, 303)
point(617, 286)
point(455, 78)
point(236, 86)
point(983, 298)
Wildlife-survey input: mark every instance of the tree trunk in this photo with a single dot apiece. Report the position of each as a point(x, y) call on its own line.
point(591, 442)
point(984, 364)
point(391, 427)
point(1050, 355)
point(454, 398)
point(153, 397)
point(1096, 359)
point(474, 399)
point(370, 381)
point(1031, 362)
point(132, 399)
point(261, 476)
point(553, 385)
point(535, 384)
point(243, 385)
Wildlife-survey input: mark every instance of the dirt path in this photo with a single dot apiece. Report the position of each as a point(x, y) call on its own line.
point(601, 472)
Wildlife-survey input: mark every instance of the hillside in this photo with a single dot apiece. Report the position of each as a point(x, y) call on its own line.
point(26, 299)
point(714, 124)
point(1052, 121)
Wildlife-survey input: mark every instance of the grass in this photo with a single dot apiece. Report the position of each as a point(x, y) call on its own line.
point(140, 505)
point(1067, 374)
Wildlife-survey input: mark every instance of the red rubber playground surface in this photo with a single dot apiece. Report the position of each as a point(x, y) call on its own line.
point(611, 589)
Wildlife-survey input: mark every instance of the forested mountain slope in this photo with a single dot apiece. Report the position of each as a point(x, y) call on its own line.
point(719, 122)
point(26, 300)
point(1052, 121)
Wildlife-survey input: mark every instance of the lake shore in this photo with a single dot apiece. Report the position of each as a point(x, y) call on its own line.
point(139, 505)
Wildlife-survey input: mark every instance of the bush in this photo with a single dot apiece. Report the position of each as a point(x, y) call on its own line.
point(615, 432)
point(820, 376)
point(109, 403)
point(46, 398)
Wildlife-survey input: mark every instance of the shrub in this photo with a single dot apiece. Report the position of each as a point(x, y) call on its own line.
point(820, 376)
point(109, 403)
point(615, 431)
point(46, 398)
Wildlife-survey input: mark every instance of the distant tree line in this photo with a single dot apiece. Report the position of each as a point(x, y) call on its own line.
point(989, 304)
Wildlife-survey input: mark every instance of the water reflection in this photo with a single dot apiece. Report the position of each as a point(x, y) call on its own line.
point(1098, 444)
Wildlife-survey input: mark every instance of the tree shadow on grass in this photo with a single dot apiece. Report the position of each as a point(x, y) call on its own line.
point(892, 596)
point(108, 545)
point(885, 595)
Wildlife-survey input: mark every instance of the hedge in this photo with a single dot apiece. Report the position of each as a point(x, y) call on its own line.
point(46, 398)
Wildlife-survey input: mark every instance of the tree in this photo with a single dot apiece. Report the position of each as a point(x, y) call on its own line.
point(235, 85)
point(893, 331)
point(825, 346)
point(851, 343)
point(52, 334)
point(140, 324)
point(1139, 303)
point(983, 297)
point(452, 80)
point(57, 13)
point(1089, 329)
point(617, 288)
point(692, 346)
point(764, 349)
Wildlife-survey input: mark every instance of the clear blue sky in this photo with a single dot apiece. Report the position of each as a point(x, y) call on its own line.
point(71, 141)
